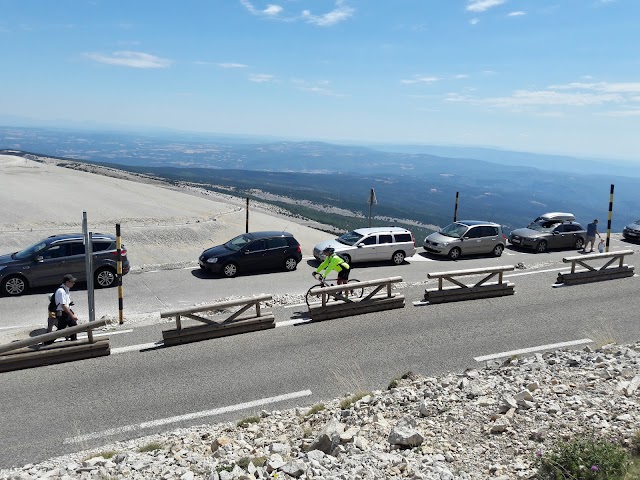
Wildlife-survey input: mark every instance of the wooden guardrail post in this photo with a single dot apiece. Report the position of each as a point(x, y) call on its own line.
point(596, 274)
point(460, 291)
point(373, 301)
point(33, 352)
point(232, 324)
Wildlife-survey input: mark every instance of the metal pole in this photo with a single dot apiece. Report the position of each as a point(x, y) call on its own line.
point(119, 275)
point(88, 254)
point(247, 227)
point(455, 210)
point(369, 214)
point(609, 219)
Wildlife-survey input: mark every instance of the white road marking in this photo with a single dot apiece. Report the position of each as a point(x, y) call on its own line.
point(189, 416)
point(105, 334)
point(419, 258)
point(289, 323)
point(537, 271)
point(552, 346)
point(135, 348)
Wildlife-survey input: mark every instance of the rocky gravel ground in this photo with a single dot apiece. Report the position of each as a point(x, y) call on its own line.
point(487, 423)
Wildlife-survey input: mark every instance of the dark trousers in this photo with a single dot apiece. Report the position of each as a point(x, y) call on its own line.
point(65, 321)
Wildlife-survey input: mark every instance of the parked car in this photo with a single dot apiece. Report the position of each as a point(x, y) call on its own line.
point(371, 244)
point(632, 231)
point(253, 251)
point(466, 237)
point(47, 261)
point(551, 230)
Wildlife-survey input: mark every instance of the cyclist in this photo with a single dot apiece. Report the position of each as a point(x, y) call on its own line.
point(333, 262)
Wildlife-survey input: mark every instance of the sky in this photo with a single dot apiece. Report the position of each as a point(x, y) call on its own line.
point(548, 76)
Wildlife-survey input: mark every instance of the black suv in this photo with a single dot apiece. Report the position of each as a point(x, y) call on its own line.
point(253, 251)
point(46, 262)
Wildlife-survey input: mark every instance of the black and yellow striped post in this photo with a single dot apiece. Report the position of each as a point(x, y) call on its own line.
point(455, 210)
point(119, 274)
point(609, 219)
point(247, 219)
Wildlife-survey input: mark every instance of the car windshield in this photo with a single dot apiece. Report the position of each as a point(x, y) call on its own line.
point(349, 238)
point(455, 230)
point(542, 226)
point(237, 243)
point(28, 252)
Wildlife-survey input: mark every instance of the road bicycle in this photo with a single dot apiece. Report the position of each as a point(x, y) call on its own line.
point(313, 294)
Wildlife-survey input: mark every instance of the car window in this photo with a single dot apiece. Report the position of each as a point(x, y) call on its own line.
point(56, 251)
point(257, 246)
point(474, 233)
point(101, 246)
point(350, 238)
point(277, 242)
point(369, 240)
point(76, 248)
point(488, 231)
point(403, 237)
point(237, 243)
point(560, 229)
point(29, 251)
point(573, 227)
point(455, 230)
point(385, 239)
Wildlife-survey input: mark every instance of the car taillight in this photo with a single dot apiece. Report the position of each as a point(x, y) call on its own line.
point(123, 252)
point(504, 237)
point(299, 249)
point(414, 240)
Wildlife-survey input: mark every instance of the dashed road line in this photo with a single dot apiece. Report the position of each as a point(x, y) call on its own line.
point(551, 346)
point(189, 416)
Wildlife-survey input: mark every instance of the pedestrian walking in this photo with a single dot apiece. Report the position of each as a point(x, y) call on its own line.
point(592, 231)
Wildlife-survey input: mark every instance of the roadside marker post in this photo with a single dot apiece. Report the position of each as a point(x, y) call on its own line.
point(609, 219)
point(119, 275)
point(455, 210)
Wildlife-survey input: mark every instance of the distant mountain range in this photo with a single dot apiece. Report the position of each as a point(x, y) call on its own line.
point(411, 182)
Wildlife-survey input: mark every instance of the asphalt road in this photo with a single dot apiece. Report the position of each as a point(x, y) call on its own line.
point(57, 409)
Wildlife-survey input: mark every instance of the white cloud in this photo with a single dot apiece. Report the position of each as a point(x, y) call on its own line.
point(269, 11)
point(460, 76)
point(322, 87)
point(419, 79)
point(339, 14)
point(629, 87)
point(474, 21)
point(130, 59)
point(622, 113)
point(483, 5)
point(231, 65)
point(261, 78)
point(522, 98)
point(516, 14)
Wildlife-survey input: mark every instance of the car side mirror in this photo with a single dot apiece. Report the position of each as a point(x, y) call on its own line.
point(359, 245)
point(39, 258)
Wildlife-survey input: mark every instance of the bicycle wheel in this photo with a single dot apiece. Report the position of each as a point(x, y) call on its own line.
point(313, 295)
point(357, 291)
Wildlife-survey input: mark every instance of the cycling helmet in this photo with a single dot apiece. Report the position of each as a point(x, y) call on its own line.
point(329, 250)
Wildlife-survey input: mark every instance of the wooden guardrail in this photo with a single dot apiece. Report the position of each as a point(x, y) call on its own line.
point(593, 273)
point(461, 291)
point(232, 324)
point(32, 352)
point(378, 296)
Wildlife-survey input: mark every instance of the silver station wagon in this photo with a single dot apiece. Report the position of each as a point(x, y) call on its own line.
point(466, 237)
point(371, 244)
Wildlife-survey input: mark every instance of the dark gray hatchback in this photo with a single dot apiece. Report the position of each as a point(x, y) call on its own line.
point(253, 251)
point(47, 261)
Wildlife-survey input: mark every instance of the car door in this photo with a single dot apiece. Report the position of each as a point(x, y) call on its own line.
point(560, 238)
point(385, 247)
point(254, 255)
point(471, 241)
point(76, 261)
point(365, 250)
point(49, 265)
point(488, 238)
point(276, 250)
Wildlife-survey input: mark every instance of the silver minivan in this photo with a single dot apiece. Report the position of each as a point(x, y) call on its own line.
point(371, 244)
point(466, 237)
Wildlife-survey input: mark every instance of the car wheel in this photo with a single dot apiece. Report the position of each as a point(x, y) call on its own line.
point(579, 243)
point(497, 250)
point(14, 285)
point(230, 270)
point(454, 253)
point(541, 247)
point(105, 277)
point(398, 258)
point(346, 258)
point(290, 264)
